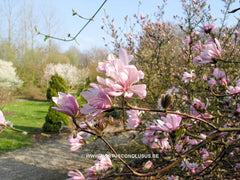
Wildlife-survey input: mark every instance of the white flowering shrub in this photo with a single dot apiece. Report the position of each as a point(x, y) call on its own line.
point(70, 73)
point(8, 76)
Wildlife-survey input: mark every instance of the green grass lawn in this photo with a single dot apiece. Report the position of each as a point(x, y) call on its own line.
point(28, 116)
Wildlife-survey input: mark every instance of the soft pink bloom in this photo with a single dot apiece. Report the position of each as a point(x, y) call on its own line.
point(203, 136)
point(104, 161)
point(197, 47)
point(197, 61)
point(211, 52)
point(233, 90)
point(148, 137)
point(238, 82)
point(212, 82)
point(67, 103)
point(123, 76)
point(173, 177)
point(76, 175)
point(208, 162)
point(193, 142)
point(169, 123)
point(192, 167)
point(205, 154)
point(142, 16)
point(218, 73)
point(199, 105)
point(186, 140)
point(237, 165)
point(223, 82)
point(187, 41)
point(188, 77)
point(207, 28)
point(162, 144)
point(198, 109)
point(93, 172)
point(98, 101)
point(148, 165)
point(3, 122)
point(133, 121)
point(204, 78)
point(172, 90)
point(179, 147)
point(76, 142)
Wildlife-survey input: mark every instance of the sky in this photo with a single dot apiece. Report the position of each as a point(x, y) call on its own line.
point(92, 35)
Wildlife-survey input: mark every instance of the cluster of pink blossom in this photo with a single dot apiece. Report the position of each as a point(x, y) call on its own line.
point(210, 54)
point(198, 109)
point(123, 77)
point(102, 164)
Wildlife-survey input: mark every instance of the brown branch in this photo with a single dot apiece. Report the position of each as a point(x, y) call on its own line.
point(172, 112)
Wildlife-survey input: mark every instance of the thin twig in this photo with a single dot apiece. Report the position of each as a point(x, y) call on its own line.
point(74, 37)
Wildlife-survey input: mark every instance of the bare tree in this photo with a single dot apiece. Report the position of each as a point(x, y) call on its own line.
point(8, 11)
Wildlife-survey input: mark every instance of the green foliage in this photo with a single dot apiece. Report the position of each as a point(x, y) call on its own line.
point(56, 84)
point(54, 119)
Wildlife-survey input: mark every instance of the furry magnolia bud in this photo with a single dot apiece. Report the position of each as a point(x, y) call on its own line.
point(166, 100)
point(99, 127)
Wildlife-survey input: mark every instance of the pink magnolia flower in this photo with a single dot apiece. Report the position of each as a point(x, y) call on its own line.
point(179, 147)
point(197, 61)
point(3, 122)
point(98, 101)
point(148, 165)
point(76, 142)
point(93, 172)
point(237, 165)
point(104, 161)
point(198, 109)
point(76, 175)
point(67, 103)
point(188, 77)
point(211, 52)
point(234, 90)
point(197, 47)
point(163, 144)
point(148, 137)
point(212, 82)
point(173, 177)
point(207, 28)
point(218, 73)
point(238, 82)
point(123, 76)
point(192, 167)
point(169, 123)
point(133, 120)
point(205, 154)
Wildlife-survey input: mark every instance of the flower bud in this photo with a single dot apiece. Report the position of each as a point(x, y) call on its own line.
point(166, 100)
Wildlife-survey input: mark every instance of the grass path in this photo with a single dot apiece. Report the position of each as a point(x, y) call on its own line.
point(26, 115)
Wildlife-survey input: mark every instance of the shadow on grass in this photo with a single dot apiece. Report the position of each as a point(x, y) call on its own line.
point(27, 128)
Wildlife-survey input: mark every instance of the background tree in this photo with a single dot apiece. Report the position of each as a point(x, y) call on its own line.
point(54, 120)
